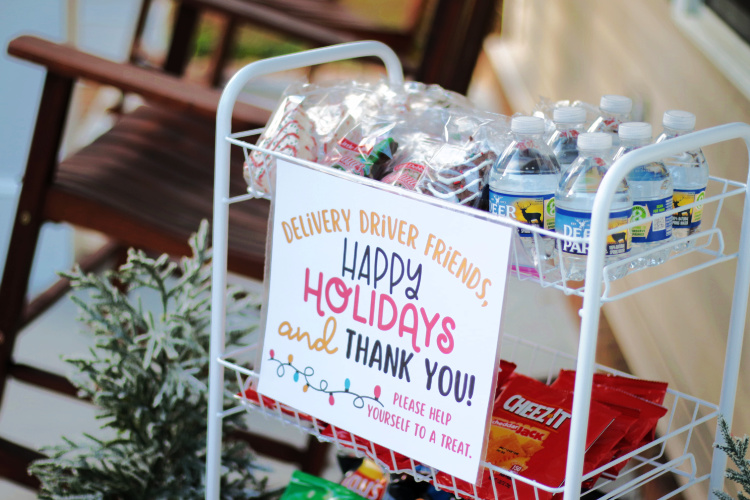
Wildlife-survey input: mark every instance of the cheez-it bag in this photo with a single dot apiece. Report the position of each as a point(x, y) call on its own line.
point(530, 428)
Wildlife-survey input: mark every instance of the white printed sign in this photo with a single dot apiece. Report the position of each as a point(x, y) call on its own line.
point(383, 316)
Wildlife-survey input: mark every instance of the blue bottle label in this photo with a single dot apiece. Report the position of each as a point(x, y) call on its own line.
point(536, 210)
point(657, 230)
point(578, 225)
point(691, 217)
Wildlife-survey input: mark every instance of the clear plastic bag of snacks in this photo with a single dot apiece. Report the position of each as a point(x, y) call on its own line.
point(471, 142)
point(307, 121)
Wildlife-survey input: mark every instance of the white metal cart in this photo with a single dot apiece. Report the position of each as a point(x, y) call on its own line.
point(685, 412)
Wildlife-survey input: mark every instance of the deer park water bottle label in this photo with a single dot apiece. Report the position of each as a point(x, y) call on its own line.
point(691, 217)
point(578, 225)
point(659, 229)
point(537, 211)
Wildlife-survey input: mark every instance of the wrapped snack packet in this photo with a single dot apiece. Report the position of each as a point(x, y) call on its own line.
point(289, 131)
point(309, 118)
point(649, 390)
point(368, 480)
point(456, 174)
point(363, 148)
point(410, 163)
point(643, 414)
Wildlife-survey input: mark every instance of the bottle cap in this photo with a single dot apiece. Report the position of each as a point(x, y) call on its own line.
point(616, 104)
point(569, 114)
point(679, 120)
point(527, 125)
point(635, 130)
point(598, 141)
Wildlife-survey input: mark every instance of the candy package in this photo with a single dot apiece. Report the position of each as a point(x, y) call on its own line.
point(368, 480)
point(364, 148)
point(408, 166)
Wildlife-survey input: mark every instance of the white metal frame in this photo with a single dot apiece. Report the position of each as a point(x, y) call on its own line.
point(593, 296)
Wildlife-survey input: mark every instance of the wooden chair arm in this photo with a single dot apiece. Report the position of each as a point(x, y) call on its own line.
point(153, 86)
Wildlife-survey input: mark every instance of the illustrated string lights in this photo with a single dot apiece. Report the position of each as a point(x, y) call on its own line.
point(308, 372)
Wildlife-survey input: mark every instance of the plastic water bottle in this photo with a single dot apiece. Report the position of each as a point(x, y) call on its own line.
point(569, 123)
point(574, 202)
point(614, 110)
point(522, 185)
point(651, 190)
point(689, 172)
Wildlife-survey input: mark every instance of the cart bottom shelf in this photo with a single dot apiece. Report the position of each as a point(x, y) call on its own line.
point(646, 464)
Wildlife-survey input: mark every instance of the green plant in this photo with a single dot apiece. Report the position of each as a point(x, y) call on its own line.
point(736, 450)
point(148, 376)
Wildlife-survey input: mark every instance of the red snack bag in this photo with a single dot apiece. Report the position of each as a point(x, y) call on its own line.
point(503, 374)
point(530, 429)
point(649, 390)
point(603, 450)
point(642, 414)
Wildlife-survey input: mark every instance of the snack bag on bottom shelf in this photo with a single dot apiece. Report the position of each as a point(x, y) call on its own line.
point(504, 372)
point(368, 480)
point(615, 388)
point(529, 436)
point(304, 486)
point(614, 438)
